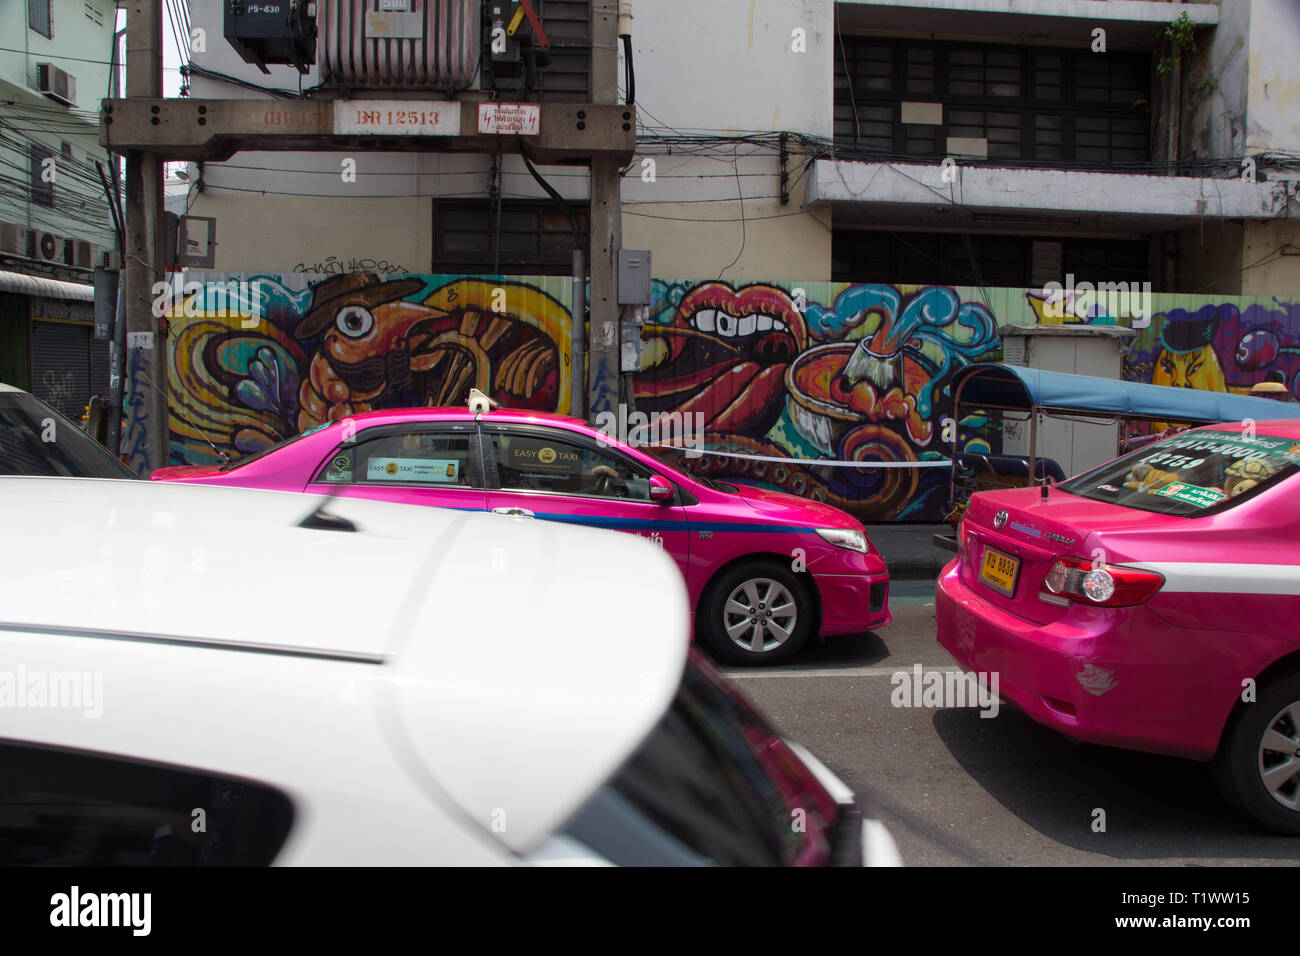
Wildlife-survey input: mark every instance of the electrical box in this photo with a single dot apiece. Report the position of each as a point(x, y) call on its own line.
point(1080, 350)
point(634, 277)
point(279, 31)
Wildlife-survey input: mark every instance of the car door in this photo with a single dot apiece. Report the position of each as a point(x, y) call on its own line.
point(423, 463)
point(558, 475)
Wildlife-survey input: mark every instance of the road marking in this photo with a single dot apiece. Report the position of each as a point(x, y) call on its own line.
point(843, 671)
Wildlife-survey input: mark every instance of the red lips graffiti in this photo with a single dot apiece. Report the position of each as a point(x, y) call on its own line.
point(724, 356)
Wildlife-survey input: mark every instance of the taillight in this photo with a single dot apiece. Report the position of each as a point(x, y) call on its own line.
point(963, 546)
point(1103, 585)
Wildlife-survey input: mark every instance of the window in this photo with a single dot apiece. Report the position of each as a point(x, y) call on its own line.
point(1031, 105)
point(537, 462)
point(1195, 473)
point(36, 440)
point(715, 783)
point(42, 184)
point(66, 808)
point(39, 17)
point(535, 237)
point(408, 457)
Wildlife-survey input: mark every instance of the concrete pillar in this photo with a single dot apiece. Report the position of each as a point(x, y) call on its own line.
point(145, 396)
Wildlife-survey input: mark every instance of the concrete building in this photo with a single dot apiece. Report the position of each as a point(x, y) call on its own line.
point(55, 224)
point(980, 142)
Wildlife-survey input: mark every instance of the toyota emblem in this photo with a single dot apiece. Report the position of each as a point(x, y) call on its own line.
point(1000, 520)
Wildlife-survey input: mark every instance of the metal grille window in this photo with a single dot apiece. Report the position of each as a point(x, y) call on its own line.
point(1030, 105)
point(921, 258)
point(42, 191)
point(39, 17)
point(532, 237)
point(566, 77)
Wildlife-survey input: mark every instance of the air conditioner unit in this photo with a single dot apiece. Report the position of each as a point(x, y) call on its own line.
point(110, 259)
point(83, 253)
point(46, 246)
point(57, 84)
point(13, 238)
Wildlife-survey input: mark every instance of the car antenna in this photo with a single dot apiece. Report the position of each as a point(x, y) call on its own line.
point(321, 520)
point(198, 431)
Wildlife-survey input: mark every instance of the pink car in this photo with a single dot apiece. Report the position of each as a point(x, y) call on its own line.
point(1152, 603)
point(764, 570)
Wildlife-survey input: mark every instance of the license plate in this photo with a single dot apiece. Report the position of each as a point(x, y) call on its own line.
point(998, 571)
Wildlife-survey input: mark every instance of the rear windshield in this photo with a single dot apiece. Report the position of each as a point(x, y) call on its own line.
point(1191, 474)
point(36, 440)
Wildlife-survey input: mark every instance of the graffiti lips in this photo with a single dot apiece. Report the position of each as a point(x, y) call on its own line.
point(724, 356)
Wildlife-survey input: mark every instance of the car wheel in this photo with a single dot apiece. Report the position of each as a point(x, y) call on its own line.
point(756, 614)
point(1257, 767)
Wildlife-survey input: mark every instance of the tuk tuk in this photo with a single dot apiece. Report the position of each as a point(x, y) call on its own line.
point(1085, 419)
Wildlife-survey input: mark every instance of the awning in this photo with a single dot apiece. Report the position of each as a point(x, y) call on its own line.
point(995, 385)
point(46, 288)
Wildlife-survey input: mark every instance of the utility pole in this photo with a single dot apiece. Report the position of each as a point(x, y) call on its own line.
point(145, 394)
point(606, 225)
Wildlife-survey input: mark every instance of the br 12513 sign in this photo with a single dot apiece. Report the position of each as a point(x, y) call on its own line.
point(397, 117)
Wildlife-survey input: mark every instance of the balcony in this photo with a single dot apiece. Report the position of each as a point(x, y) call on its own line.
point(1129, 24)
point(990, 197)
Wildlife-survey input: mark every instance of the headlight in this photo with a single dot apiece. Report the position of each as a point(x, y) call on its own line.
point(846, 538)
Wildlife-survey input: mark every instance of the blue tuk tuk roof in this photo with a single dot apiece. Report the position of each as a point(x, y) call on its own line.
point(1019, 388)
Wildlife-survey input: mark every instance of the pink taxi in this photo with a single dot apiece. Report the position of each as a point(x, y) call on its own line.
point(764, 570)
point(1152, 603)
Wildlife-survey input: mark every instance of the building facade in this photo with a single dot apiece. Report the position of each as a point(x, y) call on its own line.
point(843, 203)
point(55, 223)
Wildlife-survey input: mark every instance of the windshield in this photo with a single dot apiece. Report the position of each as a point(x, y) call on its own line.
point(36, 440)
point(1191, 474)
point(276, 447)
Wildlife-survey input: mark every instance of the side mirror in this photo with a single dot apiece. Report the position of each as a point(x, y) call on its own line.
point(661, 489)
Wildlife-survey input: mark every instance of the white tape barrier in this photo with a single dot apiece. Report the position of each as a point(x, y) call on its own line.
point(832, 463)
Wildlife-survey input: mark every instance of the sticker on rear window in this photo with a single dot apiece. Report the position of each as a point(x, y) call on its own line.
point(1110, 488)
point(1191, 494)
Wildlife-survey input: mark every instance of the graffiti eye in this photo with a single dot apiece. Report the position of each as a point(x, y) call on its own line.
point(354, 321)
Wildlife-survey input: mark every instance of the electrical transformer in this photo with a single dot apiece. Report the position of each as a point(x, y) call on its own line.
point(273, 31)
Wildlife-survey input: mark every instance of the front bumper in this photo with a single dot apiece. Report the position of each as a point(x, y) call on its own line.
point(1118, 677)
point(853, 603)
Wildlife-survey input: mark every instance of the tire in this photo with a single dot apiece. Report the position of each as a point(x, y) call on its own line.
point(1261, 743)
point(742, 598)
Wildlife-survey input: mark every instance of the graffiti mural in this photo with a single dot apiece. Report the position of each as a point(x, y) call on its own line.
point(858, 376)
point(779, 374)
point(255, 360)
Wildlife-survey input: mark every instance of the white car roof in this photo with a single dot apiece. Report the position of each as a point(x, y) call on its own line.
point(526, 659)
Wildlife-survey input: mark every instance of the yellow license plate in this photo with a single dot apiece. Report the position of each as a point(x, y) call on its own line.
point(998, 571)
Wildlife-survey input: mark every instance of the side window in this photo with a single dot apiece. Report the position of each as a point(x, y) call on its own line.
point(433, 459)
point(67, 808)
point(528, 462)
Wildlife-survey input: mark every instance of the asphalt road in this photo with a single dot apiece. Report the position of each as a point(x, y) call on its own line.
point(957, 788)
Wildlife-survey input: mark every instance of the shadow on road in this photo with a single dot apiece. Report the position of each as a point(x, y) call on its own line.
point(1154, 806)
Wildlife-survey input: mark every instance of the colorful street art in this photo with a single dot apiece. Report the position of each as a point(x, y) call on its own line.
point(796, 372)
point(777, 373)
point(256, 359)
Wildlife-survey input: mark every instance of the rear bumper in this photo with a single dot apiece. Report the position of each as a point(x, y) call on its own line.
point(1122, 677)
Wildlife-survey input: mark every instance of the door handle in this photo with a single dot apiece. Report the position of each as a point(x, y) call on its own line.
point(514, 512)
